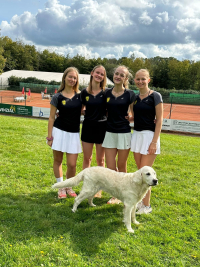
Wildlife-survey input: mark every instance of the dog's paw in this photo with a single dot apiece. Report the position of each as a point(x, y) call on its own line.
point(136, 222)
point(73, 210)
point(92, 205)
point(131, 230)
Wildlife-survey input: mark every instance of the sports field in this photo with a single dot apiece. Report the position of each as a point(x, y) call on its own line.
point(178, 112)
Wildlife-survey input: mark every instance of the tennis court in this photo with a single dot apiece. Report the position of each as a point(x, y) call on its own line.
point(176, 111)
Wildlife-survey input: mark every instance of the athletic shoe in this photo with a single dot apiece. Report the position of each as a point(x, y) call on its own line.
point(144, 210)
point(139, 205)
point(70, 192)
point(114, 200)
point(62, 193)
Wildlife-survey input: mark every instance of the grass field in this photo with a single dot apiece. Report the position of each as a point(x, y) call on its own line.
point(37, 229)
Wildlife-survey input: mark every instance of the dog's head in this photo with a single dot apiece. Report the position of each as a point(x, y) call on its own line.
point(148, 176)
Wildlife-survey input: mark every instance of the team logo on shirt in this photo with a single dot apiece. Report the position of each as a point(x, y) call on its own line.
point(135, 102)
point(108, 99)
point(87, 98)
point(64, 102)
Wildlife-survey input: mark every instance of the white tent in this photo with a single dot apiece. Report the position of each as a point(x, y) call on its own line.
point(41, 75)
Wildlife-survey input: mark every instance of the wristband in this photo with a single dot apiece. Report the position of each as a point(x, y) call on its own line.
point(154, 143)
point(49, 138)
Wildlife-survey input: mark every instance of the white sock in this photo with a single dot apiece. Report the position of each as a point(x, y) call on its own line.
point(59, 179)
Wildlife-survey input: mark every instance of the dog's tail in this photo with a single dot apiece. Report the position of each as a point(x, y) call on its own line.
point(74, 181)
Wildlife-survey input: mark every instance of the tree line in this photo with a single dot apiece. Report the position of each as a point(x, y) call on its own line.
point(168, 73)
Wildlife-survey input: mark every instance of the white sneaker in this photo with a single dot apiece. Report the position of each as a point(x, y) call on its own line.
point(144, 210)
point(139, 205)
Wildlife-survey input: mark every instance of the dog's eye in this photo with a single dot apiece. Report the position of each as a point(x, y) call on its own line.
point(148, 173)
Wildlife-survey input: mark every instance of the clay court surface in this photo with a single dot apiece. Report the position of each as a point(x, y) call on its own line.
point(178, 112)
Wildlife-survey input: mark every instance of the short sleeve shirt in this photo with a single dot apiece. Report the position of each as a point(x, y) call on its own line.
point(144, 111)
point(95, 105)
point(117, 110)
point(69, 112)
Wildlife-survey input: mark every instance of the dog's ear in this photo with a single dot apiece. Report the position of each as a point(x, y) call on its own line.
point(137, 177)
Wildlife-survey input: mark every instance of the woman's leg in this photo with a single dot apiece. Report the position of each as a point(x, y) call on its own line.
point(87, 154)
point(147, 160)
point(122, 160)
point(141, 161)
point(111, 154)
point(57, 168)
point(57, 163)
point(71, 165)
point(71, 171)
point(100, 155)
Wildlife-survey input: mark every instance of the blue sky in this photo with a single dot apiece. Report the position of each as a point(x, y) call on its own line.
point(106, 28)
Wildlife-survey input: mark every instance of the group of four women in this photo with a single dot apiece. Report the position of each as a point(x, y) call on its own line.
point(107, 116)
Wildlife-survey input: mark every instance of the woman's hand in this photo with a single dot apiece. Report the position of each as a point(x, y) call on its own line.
point(129, 118)
point(49, 142)
point(152, 148)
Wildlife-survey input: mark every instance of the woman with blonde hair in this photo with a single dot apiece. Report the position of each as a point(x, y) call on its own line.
point(94, 124)
point(145, 142)
point(63, 132)
point(117, 140)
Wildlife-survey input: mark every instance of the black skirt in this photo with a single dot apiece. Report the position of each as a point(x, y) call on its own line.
point(93, 131)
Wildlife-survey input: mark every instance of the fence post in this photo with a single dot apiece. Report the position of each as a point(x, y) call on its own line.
point(170, 109)
point(25, 96)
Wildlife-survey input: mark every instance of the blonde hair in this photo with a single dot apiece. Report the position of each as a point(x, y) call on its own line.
point(102, 83)
point(76, 86)
point(128, 74)
point(143, 70)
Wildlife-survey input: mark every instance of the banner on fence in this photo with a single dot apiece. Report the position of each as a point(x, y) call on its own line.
point(166, 125)
point(185, 126)
point(16, 110)
point(41, 112)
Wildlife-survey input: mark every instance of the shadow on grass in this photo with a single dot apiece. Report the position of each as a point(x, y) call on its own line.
point(42, 216)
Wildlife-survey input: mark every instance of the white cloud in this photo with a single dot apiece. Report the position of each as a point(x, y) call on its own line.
point(111, 28)
point(188, 25)
point(145, 19)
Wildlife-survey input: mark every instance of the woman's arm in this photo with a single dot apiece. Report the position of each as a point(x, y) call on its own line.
point(83, 109)
point(159, 119)
point(130, 116)
point(50, 124)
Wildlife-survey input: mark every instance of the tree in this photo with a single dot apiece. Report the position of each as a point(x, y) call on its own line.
point(2, 59)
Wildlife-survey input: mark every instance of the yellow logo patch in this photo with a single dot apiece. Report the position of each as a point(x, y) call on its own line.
point(108, 99)
point(13, 108)
point(135, 102)
point(64, 102)
point(87, 98)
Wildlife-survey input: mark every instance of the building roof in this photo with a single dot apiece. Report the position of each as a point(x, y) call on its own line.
point(42, 75)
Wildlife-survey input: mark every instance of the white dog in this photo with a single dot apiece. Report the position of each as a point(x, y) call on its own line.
point(130, 188)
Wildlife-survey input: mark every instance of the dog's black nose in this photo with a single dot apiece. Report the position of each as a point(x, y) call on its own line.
point(155, 181)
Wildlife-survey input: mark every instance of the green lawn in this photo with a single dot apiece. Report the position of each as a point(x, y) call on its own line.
point(37, 229)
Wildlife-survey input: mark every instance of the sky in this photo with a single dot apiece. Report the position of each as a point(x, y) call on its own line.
point(106, 28)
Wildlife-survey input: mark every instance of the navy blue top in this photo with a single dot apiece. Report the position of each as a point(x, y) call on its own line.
point(117, 110)
point(69, 112)
point(95, 105)
point(144, 111)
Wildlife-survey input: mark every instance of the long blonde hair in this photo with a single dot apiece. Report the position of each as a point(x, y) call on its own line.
point(102, 83)
point(128, 75)
point(76, 86)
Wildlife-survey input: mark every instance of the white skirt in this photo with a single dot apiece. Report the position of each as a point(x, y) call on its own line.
point(141, 141)
point(117, 140)
point(66, 142)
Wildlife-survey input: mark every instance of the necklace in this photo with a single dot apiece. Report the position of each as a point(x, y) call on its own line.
point(118, 93)
point(145, 93)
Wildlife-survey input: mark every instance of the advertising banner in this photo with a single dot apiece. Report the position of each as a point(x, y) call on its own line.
point(41, 112)
point(185, 126)
point(166, 125)
point(16, 110)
